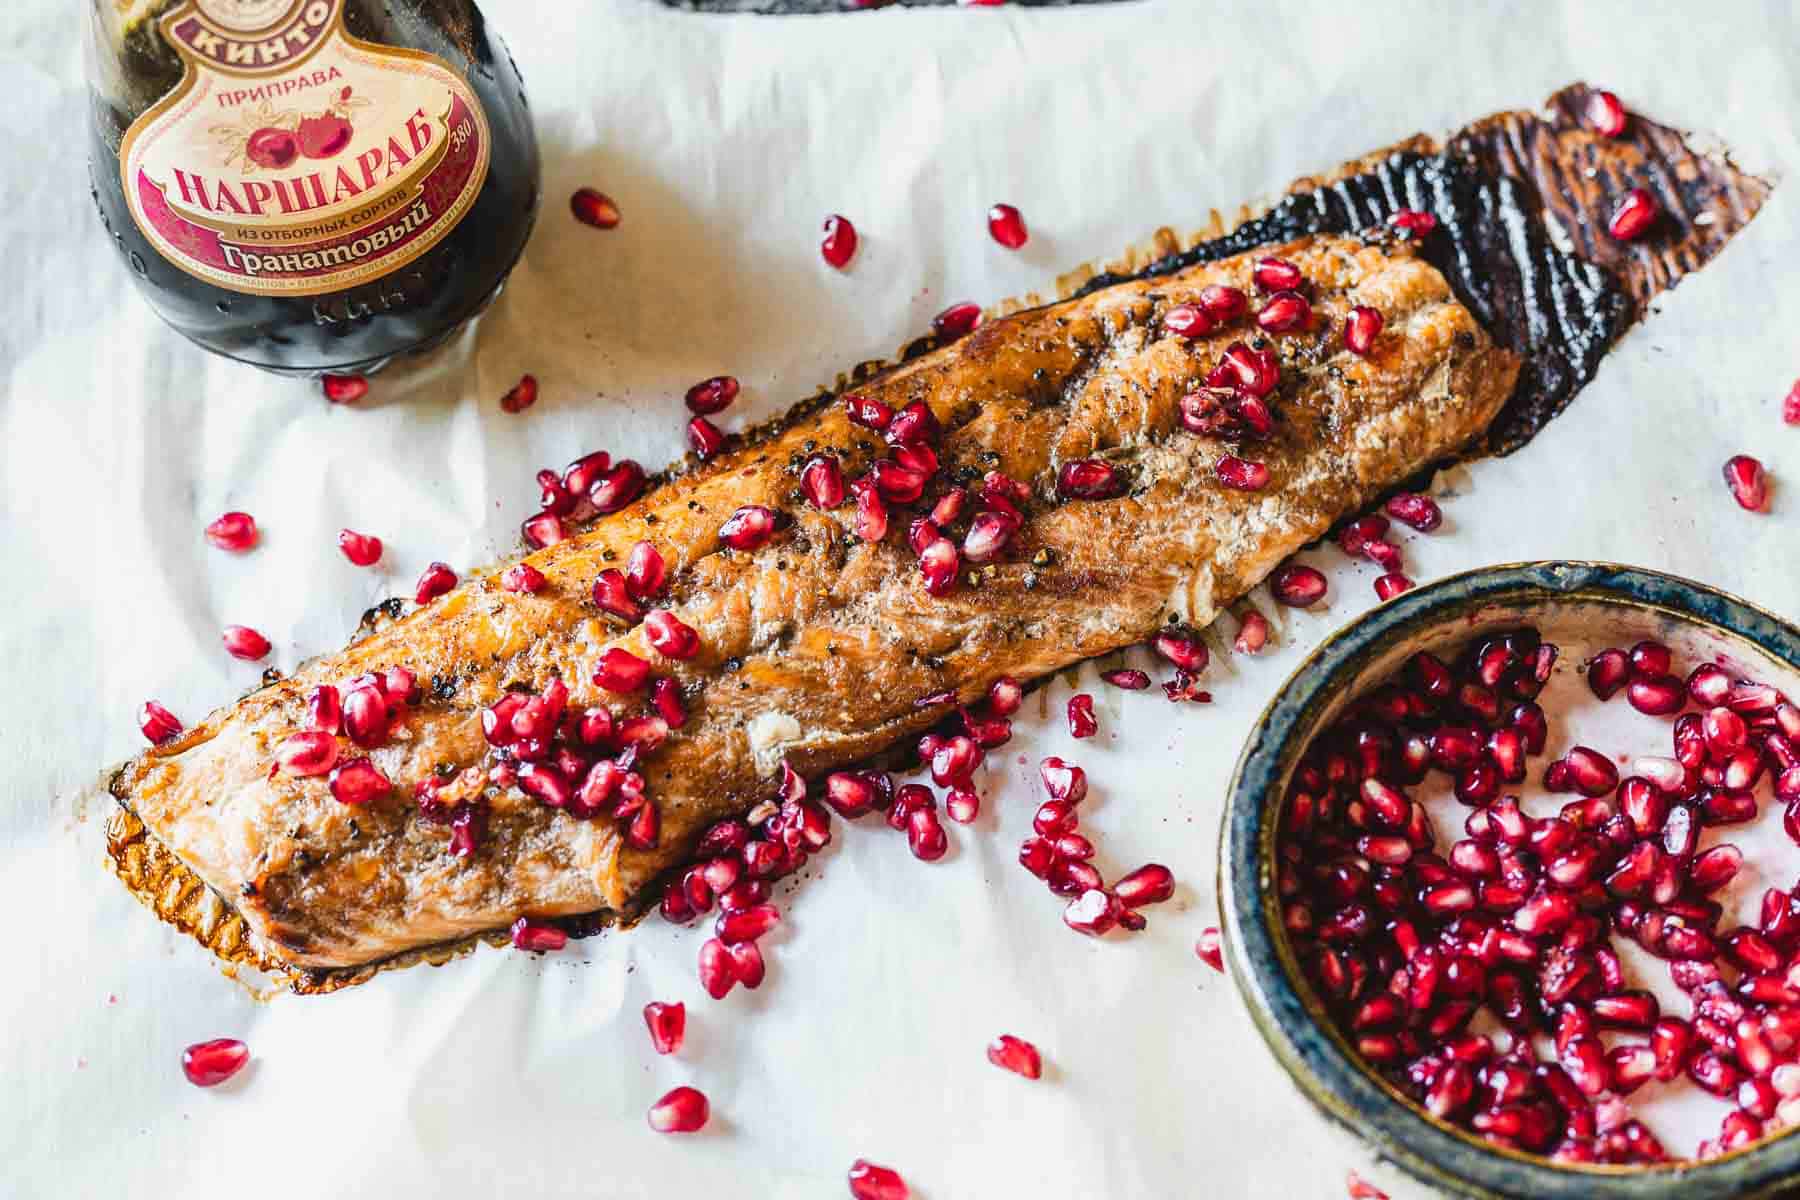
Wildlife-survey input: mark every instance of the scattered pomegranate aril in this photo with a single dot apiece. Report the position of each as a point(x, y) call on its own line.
point(1284, 312)
point(1088, 479)
point(620, 671)
point(1361, 328)
point(543, 529)
point(1253, 633)
point(669, 636)
point(1252, 373)
point(1748, 483)
point(358, 782)
point(1604, 114)
point(1276, 275)
point(838, 245)
point(594, 208)
point(1241, 474)
point(307, 753)
point(1007, 226)
point(1392, 584)
point(208, 1064)
point(748, 529)
point(956, 321)
point(747, 925)
point(823, 482)
point(437, 579)
point(1413, 221)
point(362, 549)
point(1081, 716)
point(870, 1181)
point(683, 1110)
point(717, 972)
point(1094, 912)
point(243, 642)
point(616, 488)
point(1658, 696)
point(538, 938)
point(711, 396)
point(1790, 405)
point(1189, 321)
point(344, 389)
point(1358, 1188)
point(1223, 303)
point(521, 396)
point(1297, 585)
point(1633, 215)
point(667, 1024)
point(704, 438)
point(1415, 509)
point(1016, 1055)
point(1149, 884)
point(1209, 948)
point(233, 531)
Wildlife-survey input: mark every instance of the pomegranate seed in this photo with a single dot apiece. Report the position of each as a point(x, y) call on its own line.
point(613, 593)
point(594, 208)
point(1005, 695)
point(621, 671)
point(1242, 474)
point(1392, 584)
point(1188, 321)
point(536, 937)
point(345, 389)
point(1209, 948)
point(1276, 275)
point(747, 925)
point(366, 716)
point(358, 781)
point(925, 836)
point(711, 396)
point(1088, 479)
point(308, 753)
point(437, 579)
point(1253, 633)
point(1790, 405)
point(962, 805)
point(1130, 679)
point(1223, 303)
point(956, 321)
point(208, 1064)
point(1361, 328)
point(1604, 114)
point(245, 643)
point(1063, 781)
point(1297, 585)
point(1413, 221)
point(1659, 696)
point(683, 1110)
point(703, 438)
point(1006, 226)
point(871, 521)
point(1419, 511)
point(618, 487)
point(1749, 486)
point(1592, 773)
point(867, 412)
point(868, 1181)
point(988, 535)
point(669, 636)
point(234, 531)
point(1633, 216)
point(747, 964)
point(1094, 912)
point(1081, 716)
point(1251, 372)
point(1182, 647)
point(1607, 673)
point(749, 528)
point(1358, 1188)
point(1149, 884)
point(838, 245)
point(1285, 311)
point(362, 549)
point(717, 973)
point(1015, 1055)
point(544, 529)
point(823, 482)
point(522, 395)
point(667, 1024)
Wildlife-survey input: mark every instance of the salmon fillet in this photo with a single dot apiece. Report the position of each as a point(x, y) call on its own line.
point(817, 648)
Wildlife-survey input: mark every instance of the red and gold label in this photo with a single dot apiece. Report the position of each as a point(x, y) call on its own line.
point(294, 159)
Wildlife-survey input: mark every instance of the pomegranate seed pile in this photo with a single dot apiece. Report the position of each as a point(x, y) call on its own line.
point(1515, 927)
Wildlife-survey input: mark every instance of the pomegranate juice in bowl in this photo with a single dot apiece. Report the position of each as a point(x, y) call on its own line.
point(309, 185)
point(1510, 882)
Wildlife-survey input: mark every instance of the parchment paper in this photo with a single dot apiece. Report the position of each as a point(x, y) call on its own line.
point(726, 141)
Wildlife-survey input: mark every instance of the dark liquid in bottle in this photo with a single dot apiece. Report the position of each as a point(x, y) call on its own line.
point(358, 327)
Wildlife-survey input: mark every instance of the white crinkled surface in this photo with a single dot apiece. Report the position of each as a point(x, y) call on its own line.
point(726, 141)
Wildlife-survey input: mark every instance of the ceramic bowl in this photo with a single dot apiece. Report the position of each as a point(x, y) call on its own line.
point(1582, 606)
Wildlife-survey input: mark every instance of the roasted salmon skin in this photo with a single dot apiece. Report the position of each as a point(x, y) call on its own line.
point(1085, 431)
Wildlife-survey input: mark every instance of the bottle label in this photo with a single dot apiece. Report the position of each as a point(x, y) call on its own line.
point(294, 159)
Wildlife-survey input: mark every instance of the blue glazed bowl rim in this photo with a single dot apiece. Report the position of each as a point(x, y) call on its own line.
point(1262, 967)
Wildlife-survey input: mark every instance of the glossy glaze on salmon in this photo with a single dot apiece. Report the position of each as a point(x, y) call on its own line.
point(819, 647)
